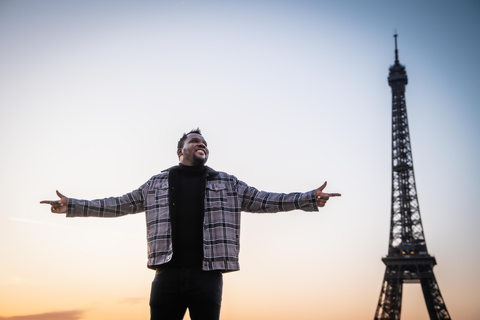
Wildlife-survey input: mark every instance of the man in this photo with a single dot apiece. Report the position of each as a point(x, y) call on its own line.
point(193, 227)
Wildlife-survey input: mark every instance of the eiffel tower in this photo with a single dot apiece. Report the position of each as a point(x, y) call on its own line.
point(408, 260)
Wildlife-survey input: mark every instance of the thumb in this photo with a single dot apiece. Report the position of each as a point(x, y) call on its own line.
point(321, 188)
point(61, 196)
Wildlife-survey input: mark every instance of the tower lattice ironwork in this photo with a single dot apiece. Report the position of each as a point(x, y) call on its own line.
point(408, 260)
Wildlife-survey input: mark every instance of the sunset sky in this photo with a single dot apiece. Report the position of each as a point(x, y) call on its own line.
point(95, 94)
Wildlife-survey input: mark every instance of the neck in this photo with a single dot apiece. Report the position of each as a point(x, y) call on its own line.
point(191, 167)
point(192, 162)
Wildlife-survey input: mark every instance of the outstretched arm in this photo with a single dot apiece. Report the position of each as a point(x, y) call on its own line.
point(58, 206)
point(322, 197)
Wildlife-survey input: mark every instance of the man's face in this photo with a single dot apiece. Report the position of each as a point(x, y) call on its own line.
point(194, 151)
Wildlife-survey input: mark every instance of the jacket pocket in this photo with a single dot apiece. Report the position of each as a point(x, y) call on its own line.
point(157, 197)
point(215, 196)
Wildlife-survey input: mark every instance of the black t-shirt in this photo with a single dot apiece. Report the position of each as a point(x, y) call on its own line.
point(187, 193)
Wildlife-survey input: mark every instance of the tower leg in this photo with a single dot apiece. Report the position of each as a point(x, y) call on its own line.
point(390, 302)
point(433, 298)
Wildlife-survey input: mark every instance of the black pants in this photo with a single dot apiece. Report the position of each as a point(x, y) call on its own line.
point(176, 289)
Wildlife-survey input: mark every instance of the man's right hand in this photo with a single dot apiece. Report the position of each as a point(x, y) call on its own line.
point(59, 206)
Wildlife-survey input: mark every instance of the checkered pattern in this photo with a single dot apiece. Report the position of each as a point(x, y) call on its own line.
point(225, 198)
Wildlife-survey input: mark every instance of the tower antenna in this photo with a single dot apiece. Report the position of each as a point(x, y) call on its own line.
point(396, 50)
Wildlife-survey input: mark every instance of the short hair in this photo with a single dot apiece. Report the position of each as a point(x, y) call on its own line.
point(185, 135)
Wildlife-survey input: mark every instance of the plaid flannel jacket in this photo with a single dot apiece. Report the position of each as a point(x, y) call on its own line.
point(225, 198)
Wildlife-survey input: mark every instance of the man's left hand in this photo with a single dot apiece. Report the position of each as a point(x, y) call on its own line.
point(322, 197)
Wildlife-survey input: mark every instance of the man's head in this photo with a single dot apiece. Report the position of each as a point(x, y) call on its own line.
point(192, 149)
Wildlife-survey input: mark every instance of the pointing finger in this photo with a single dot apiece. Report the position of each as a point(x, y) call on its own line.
point(53, 203)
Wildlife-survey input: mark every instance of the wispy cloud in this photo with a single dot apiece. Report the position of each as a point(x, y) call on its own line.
point(33, 222)
point(61, 315)
point(130, 301)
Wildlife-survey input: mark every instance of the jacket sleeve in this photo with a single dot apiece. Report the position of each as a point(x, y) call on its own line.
point(253, 200)
point(112, 207)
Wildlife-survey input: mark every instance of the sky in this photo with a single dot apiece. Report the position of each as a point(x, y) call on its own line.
point(94, 96)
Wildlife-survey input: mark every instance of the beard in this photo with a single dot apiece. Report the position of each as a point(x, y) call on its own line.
point(199, 161)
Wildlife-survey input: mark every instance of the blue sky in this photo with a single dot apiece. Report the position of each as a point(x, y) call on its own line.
point(95, 94)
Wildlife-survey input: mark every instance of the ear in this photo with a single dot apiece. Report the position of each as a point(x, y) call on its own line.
point(179, 152)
